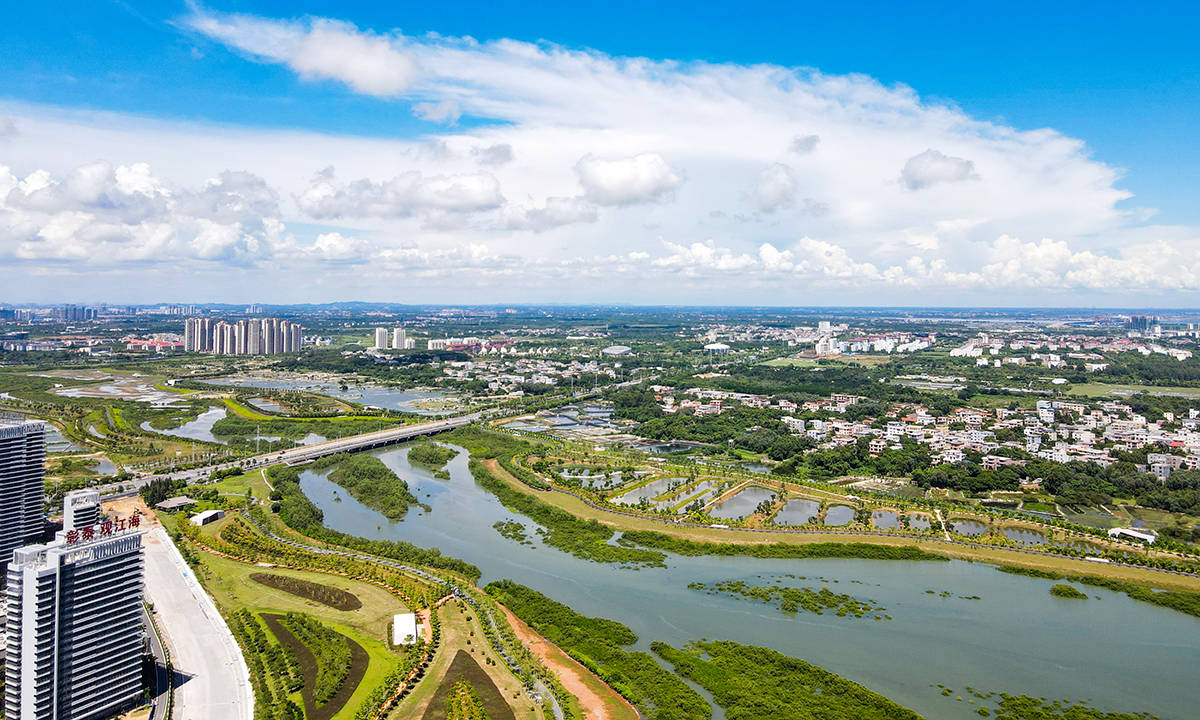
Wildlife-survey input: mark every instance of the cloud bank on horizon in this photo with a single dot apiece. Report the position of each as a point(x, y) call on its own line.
point(635, 180)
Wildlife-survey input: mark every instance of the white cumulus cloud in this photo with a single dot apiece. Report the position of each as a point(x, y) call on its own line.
point(643, 178)
point(408, 193)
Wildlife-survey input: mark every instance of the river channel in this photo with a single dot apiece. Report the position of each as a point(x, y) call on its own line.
point(1113, 652)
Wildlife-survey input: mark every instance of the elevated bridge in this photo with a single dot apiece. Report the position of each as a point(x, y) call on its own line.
point(366, 441)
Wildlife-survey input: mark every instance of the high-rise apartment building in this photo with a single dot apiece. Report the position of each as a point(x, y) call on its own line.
point(254, 336)
point(81, 508)
point(399, 340)
point(22, 475)
point(74, 638)
point(381, 338)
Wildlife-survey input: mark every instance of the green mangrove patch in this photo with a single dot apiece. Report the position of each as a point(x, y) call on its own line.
point(1178, 600)
point(791, 600)
point(372, 483)
point(866, 551)
point(1063, 590)
point(430, 455)
point(752, 683)
point(512, 530)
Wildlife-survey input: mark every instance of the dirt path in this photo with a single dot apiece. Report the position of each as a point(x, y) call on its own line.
point(942, 522)
point(572, 675)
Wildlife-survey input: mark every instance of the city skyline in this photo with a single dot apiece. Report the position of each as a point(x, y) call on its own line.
point(428, 159)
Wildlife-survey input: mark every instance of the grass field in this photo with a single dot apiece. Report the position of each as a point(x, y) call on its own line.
point(228, 581)
point(1103, 389)
point(458, 624)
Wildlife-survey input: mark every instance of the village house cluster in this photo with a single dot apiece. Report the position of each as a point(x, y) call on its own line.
point(997, 351)
point(1053, 430)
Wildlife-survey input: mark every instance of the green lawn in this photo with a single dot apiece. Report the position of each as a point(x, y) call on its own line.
point(229, 583)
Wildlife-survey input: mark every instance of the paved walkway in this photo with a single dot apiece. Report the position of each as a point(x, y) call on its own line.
point(211, 675)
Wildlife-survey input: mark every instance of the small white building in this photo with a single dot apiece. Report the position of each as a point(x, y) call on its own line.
point(405, 629)
point(1133, 534)
point(204, 518)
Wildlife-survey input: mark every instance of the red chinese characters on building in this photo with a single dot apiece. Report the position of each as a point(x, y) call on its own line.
point(108, 527)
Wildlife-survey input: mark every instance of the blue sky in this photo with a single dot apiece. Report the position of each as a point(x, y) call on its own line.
point(1124, 83)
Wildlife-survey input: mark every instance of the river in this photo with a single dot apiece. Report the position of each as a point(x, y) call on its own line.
point(1113, 652)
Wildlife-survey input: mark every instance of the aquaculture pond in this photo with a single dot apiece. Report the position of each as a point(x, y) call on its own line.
point(702, 492)
point(885, 520)
point(266, 404)
point(798, 511)
point(649, 491)
point(920, 521)
point(1015, 638)
point(839, 515)
point(742, 504)
point(591, 478)
point(970, 528)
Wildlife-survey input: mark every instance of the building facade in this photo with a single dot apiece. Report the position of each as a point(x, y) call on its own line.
point(74, 636)
point(22, 477)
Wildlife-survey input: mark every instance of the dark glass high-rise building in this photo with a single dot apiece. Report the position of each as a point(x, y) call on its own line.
point(22, 476)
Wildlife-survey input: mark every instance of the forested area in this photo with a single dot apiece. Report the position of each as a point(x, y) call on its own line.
point(1075, 482)
point(1152, 369)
